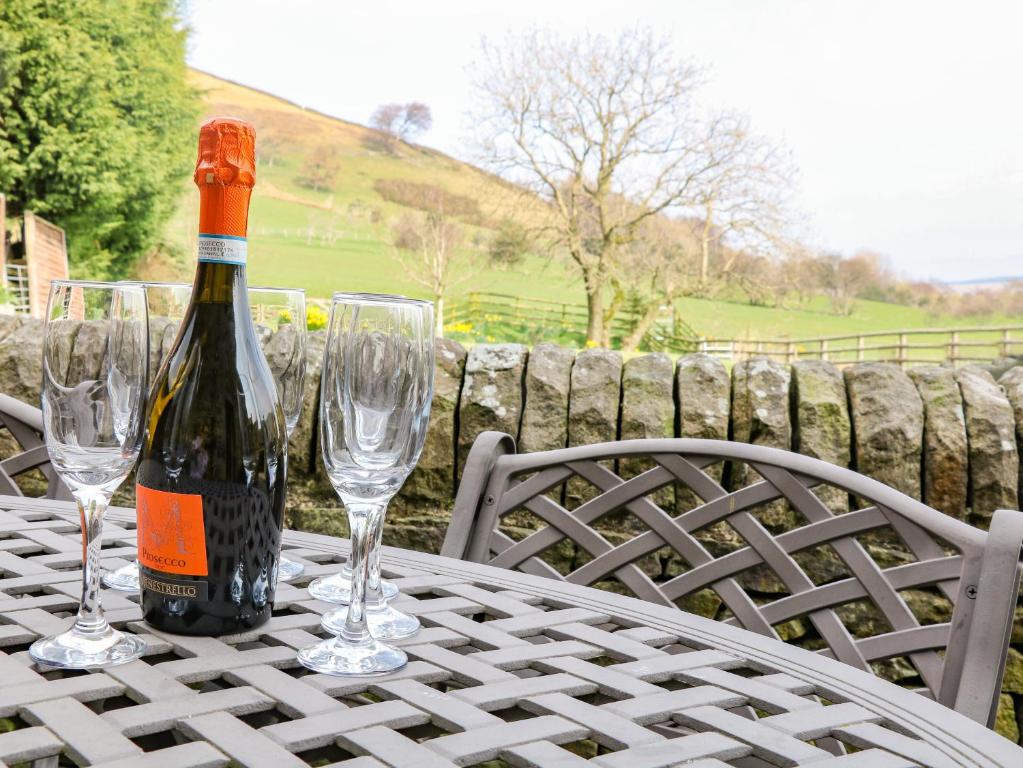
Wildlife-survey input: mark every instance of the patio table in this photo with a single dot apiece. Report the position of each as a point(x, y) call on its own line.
point(508, 667)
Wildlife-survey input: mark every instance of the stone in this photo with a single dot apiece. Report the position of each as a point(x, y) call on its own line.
point(303, 449)
point(648, 411)
point(648, 407)
point(704, 398)
point(760, 416)
point(593, 407)
point(946, 465)
point(703, 390)
point(1005, 719)
point(491, 393)
point(820, 415)
point(63, 343)
point(1012, 680)
point(888, 425)
point(286, 357)
point(170, 333)
point(10, 323)
point(21, 363)
point(545, 414)
point(88, 351)
point(434, 475)
point(1012, 383)
point(991, 437)
point(157, 328)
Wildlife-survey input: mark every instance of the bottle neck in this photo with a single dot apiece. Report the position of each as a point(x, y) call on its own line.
point(219, 283)
point(222, 247)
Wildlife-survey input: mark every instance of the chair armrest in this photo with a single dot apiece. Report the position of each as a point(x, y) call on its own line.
point(485, 451)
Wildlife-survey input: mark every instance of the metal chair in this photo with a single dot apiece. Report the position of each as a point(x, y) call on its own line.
point(25, 424)
point(509, 513)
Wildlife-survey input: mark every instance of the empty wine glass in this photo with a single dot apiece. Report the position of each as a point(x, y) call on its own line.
point(337, 587)
point(279, 313)
point(375, 394)
point(95, 367)
point(166, 303)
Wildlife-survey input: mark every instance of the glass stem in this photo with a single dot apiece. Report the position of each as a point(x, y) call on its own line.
point(362, 517)
point(90, 619)
point(374, 595)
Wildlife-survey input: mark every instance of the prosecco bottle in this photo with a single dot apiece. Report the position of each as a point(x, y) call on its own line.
point(213, 468)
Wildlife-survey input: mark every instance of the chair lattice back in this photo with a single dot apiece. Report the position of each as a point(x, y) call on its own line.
point(762, 538)
point(24, 424)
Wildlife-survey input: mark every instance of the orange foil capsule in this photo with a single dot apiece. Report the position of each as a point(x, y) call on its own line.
point(225, 173)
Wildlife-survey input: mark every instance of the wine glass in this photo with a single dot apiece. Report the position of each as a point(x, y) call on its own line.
point(280, 314)
point(166, 304)
point(375, 393)
point(92, 402)
point(337, 587)
point(281, 311)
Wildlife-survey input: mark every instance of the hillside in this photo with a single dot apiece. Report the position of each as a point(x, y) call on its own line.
point(337, 239)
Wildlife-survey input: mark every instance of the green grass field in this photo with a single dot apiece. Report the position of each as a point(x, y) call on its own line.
point(338, 239)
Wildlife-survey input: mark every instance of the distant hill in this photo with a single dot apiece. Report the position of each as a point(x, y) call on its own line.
point(979, 283)
point(338, 238)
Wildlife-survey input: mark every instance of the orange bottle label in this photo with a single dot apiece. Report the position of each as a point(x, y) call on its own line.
point(171, 534)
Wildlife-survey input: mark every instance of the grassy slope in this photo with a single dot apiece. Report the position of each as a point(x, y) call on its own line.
point(282, 250)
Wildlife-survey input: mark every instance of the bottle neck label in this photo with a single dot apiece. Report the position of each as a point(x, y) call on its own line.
point(223, 249)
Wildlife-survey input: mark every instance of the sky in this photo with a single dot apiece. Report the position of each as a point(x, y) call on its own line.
point(904, 118)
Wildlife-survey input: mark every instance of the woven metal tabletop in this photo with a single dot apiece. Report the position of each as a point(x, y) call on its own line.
point(509, 669)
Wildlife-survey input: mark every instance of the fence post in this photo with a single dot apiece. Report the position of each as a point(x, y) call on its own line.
point(824, 349)
point(903, 348)
point(790, 352)
point(953, 349)
point(1006, 342)
point(860, 343)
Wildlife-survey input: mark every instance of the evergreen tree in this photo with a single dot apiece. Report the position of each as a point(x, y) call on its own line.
point(97, 122)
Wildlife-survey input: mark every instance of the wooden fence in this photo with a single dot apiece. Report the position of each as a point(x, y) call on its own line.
point(955, 346)
point(538, 314)
point(910, 346)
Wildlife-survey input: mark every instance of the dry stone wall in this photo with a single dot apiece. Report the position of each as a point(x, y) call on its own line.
point(951, 438)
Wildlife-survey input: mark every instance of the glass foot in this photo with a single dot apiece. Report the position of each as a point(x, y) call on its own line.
point(384, 622)
point(125, 578)
point(78, 650)
point(288, 569)
point(337, 657)
point(337, 588)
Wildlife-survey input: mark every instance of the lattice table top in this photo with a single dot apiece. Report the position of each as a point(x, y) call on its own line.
point(509, 669)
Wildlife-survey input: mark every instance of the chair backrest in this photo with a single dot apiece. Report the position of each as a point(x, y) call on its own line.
point(25, 425)
point(761, 538)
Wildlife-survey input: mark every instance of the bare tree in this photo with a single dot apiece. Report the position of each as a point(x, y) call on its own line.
point(744, 202)
point(402, 122)
point(662, 266)
point(842, 280)
point(427, 244)
point(585, 123)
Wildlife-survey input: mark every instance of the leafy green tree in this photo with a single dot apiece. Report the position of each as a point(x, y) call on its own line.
point(97, 122)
